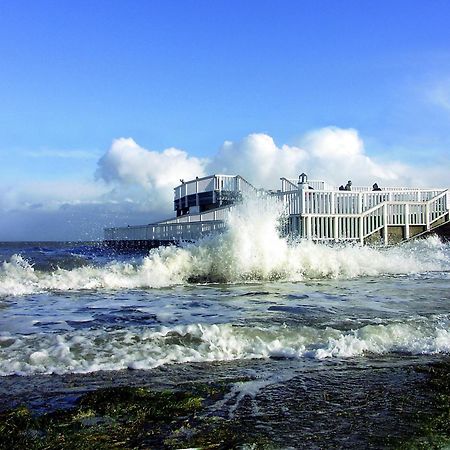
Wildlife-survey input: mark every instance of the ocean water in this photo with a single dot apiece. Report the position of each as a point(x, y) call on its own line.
point(289, 317)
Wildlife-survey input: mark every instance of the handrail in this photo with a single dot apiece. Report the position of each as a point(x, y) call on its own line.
point(386, 203)
point(246, 182)
point(285, 180)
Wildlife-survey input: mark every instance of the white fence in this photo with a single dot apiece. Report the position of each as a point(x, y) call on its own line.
point(348, 215)
point(187, 227)
point(213, 183)
point(165, 232)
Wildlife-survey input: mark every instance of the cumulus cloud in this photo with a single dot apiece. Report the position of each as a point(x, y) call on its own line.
point(334, 143)
point(259, 159)
point(336, 154)
point(332, 154)
point(129, 165)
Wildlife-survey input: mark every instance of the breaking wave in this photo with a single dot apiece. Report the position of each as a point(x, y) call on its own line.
point(250, 250)
point(142, 348)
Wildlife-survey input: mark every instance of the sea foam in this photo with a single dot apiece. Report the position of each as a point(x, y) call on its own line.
point(143, 348)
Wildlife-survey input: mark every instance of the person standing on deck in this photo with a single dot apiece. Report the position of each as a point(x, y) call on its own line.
point(375, 187)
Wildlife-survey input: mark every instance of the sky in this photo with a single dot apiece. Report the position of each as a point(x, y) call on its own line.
point(105, 105)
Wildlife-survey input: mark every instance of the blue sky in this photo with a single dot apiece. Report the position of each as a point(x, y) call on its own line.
point(74, 76)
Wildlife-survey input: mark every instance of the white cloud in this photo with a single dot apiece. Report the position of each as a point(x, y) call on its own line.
point(334, 143)
point(332, 154)
point(336, 154)
point(128, 164)
point(259, 159)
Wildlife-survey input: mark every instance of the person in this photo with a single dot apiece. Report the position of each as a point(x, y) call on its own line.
point(375, 187)
point(348, 186)
point(341, 188)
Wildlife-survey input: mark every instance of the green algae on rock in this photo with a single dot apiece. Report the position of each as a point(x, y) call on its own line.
point(122, 417)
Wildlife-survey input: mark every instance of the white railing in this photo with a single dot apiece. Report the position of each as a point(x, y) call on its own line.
point(214, 214)
point(199, 185)
point(288, 184)
point(308, 201)
point(348, 215)
point(171, 232)
point(186, 227)
point(213, 183)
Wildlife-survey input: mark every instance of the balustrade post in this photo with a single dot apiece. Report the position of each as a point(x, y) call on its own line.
point(302, 187)
point(385, 224)
point(361, 230)
point(407, 221)
point(308, 228)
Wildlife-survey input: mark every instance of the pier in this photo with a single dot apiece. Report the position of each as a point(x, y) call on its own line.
point(314, 210)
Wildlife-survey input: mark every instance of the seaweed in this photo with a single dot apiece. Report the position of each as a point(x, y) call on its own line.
point(123, 418)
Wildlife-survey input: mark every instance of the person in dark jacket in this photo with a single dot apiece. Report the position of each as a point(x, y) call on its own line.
point(375, 187)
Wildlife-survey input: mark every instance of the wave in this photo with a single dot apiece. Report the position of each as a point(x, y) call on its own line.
point(250, 250)
point(138, 348)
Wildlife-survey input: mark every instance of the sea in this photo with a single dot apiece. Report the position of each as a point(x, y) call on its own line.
point(318, 343)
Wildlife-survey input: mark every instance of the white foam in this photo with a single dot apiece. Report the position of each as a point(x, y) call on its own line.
point(142, 348)
point(249, 250)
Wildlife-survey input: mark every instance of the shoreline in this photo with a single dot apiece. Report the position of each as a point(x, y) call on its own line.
point(374, 403)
